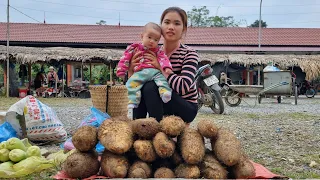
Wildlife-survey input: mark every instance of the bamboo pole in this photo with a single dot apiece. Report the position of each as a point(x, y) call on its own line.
point(8, 57)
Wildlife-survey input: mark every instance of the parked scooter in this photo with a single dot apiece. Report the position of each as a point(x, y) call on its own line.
point(209, 89)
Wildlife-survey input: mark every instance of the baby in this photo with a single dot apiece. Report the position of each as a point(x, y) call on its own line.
point(145, 72)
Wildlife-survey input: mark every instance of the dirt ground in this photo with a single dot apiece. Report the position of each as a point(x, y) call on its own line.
point(284, 138)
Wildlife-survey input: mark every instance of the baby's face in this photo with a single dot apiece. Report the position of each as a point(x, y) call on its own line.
point(151, 38)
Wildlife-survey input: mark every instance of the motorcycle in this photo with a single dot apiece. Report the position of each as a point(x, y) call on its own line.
point(305, 88)
point(208, 89)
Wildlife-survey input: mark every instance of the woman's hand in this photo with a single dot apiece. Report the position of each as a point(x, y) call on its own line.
point(135, 60)
point(153, 59)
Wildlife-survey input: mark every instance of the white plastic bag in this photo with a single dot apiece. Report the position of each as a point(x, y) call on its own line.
point(42, 123)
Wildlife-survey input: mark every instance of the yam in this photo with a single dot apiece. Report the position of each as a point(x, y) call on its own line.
point(82, 164)
point(176, 158)
point(85, 138)
point(140, 169)
point(121, 118)
point(172, 125)
point(187, 171)
point(163, 145)
point(192, 146)
point(164, 172)
point(145, 150)
point(145, 128)
point(116, 136)
point(162, 162)
point(207, 128)
point(212, 169)
point(114, 165)
point(244, 169)
point(227, 147)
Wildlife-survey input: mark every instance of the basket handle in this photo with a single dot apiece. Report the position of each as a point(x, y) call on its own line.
point(107, 98)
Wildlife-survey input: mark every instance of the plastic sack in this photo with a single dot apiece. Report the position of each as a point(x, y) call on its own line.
point(42, 123)
point(7, 131)
point(270, 68)
point(94, 119)
point(59, 157)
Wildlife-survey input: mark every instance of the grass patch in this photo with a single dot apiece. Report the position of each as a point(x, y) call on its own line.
point(252, 116)
point(299, 115)
point(302, 175)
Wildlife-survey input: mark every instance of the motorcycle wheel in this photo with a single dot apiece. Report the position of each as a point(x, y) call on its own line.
point(199, 104)
point(310, 93)
point(217, 101)
point(232, 99)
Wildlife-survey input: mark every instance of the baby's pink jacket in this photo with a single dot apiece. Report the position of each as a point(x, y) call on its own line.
point(123, 64)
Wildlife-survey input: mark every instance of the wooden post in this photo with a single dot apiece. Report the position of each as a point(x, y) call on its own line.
point(90, 74)
point(81, 72)
point(259, 75)
point(67, 75)
point(30, 77)
point(248, 76)
point(111, 73)
point(63, 80)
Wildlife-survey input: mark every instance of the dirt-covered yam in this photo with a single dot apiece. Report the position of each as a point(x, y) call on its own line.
point(172, 125)
point(85, 138)
point(146, 128)
point(187, 171)
point(207, 128)
point(244, 169)
point(145, 150)
point(114, 165)
point(140, 169)
point(176, 158)
point(164, 172)
point(163, 145)
point(82, 164)
point(227, 147)
point(192, 146)
point(116, 136)
point(212, 169)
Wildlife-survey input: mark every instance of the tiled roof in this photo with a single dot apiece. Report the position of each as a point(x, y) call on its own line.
point(107, 34)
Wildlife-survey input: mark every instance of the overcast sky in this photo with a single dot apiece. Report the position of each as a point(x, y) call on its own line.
point(284, 13)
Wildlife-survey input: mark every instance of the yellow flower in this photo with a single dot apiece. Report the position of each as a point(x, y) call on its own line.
point(134, 84)
point(162, 90)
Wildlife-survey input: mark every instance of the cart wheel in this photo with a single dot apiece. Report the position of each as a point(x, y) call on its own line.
point(259, 99)
point(232, 98)
point(279, 99)
point(296, 95)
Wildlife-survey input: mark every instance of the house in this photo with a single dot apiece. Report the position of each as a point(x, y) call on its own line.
point(234, 45)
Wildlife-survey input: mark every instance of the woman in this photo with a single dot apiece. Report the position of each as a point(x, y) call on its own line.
point(52, 77)
point(181, 79)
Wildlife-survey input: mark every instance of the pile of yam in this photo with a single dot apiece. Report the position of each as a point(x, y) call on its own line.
point(146, 148)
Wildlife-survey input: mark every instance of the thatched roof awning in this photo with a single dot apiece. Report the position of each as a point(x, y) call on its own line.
point(39, 54)
point(310, 64)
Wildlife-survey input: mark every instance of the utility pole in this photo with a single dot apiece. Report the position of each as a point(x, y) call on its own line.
point(260, 25)
point(8, 57)
point(259, 40)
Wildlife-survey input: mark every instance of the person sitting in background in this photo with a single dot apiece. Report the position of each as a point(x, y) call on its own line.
point(38, 80)
point(52, 77)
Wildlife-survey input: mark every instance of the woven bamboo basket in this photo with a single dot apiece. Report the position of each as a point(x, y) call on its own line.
point(110, 99)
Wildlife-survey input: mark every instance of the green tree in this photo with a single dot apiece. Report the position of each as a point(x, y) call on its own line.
point(256, 24)
point(101, 22)
point(199, 17)
point(222, 21)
